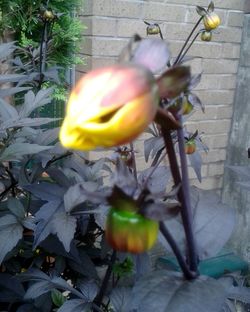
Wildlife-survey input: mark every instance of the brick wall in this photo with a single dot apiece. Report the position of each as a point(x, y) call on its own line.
point(110, 23)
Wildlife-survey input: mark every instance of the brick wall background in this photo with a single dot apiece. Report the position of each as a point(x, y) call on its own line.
point(110, 24)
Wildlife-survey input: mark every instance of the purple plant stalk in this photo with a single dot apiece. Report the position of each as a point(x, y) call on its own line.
point(183, 193)
point(101, 294)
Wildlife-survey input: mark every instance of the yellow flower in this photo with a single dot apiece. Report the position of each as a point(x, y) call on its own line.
point(211, 21)
point(109, 106)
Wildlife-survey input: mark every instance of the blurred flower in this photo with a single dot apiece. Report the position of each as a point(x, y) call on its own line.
point(129, 231)
point(211, 21)
point(110, 106)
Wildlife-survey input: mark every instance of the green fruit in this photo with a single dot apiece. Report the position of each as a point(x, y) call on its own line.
point(129, 231)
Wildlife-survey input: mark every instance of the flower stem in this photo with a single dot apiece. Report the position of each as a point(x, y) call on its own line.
point(133, 161)
point(100, 295)
point(183, 265)
point(183, 194)
point(187, 40)
point(189, 46)
point(193, 259)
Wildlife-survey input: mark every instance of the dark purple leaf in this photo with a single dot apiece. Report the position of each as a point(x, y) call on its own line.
point(64, 226)
point(11, 231)
point(162, 211)
point(75, 305)
point(201, 11)
point(152, 146)
point(195, 80)
point(211, 7)
point(121, 299)
point(11, 288)
point(196, 163)
point(195, 101)
point(46, 191)
point(163, 291)
point(174, 81)
point(156, 182)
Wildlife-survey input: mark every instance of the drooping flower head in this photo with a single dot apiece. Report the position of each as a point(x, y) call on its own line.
point(109, 107)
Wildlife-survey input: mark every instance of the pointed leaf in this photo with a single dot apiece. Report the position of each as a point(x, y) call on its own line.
point(16, 207)
point(6, 49)
point(121, 299)
point(32, 101)
point(211, 7)
point(64, 227)
point(16, 151)
point(57, 298)
point(38, 289)
point(7, 111)
point(196, 163)
point(10, 232)
point(89, 289)
point(11, 78)
point(11, 91)
point(174, 81)
point(201, 11)
point(156, 182)
point(46, 191)
point(195, 101)
point(27, 122)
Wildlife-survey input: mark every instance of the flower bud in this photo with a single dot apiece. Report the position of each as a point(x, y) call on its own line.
point(153, 30)
point(206, 35)
point(211, 21)
point(190, 146)
point(110, 106)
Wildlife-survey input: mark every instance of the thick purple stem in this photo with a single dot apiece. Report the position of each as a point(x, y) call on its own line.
point(183, 194)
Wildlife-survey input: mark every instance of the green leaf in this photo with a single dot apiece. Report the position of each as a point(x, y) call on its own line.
point(57, 298)
point(10, 232)
point(201, 11)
